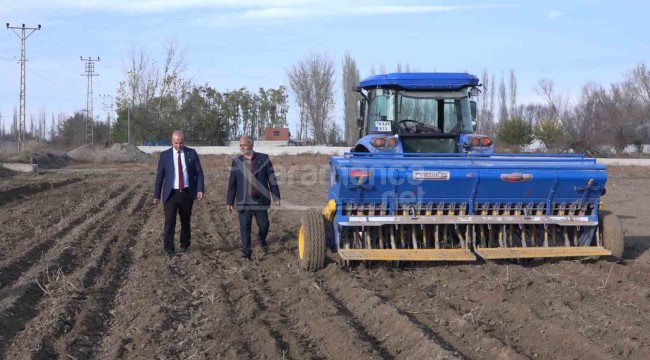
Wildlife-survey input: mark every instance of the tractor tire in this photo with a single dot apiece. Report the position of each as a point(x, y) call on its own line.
point(312, 241)
point(612, 231)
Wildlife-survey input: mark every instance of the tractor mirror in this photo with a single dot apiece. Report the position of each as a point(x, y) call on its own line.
point(361, 111)
point(472, 106)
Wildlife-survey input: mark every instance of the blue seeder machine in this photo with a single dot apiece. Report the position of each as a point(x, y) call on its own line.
point(421, 185)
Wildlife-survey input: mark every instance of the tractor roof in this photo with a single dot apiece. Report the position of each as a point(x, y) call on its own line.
point(421, 81)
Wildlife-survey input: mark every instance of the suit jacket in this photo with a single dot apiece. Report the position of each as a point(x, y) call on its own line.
point(166, 174)
point(264, 180)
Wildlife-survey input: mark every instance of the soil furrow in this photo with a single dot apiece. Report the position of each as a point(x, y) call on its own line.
point(66, 305)
point(89, 327)
point(23, 298)
point(249, 294)
point(325, 330)
point(400, 336)
point(420, 301)
point(12, 271)
point(24, 191)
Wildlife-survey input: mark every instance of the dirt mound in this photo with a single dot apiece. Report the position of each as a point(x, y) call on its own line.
point(5, 173)
point(116, 153)
point(51, 161)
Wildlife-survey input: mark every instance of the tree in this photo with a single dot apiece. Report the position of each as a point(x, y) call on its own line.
point(515, 131)
point(550, 132)
point(485, 118)
point(312, 81)
point(351, 79)
point(154, 93)
point(513, 93)
point(503, 108)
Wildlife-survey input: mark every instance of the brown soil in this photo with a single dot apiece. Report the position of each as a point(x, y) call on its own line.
point(82, 275)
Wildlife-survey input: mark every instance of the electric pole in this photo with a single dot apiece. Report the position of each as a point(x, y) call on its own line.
point(90, 72)
point(109, 111)
point(23, 36)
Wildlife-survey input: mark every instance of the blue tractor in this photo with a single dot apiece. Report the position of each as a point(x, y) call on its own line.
point(420, 185)
point(420, 113)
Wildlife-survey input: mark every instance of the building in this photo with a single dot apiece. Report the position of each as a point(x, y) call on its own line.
point(277, 134)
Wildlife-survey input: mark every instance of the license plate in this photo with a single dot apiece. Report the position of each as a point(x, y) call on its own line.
point(431, 175)
point(383, 125)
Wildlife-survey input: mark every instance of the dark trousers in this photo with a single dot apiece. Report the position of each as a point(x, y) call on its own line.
point(245, 224)
point(180, 203)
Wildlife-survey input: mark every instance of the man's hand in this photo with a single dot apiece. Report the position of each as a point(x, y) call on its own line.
point(199, 195)
point(156, 201)
point(277, 202)
point(229, 207)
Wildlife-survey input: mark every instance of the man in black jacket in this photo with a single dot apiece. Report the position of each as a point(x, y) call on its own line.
point(252, 186)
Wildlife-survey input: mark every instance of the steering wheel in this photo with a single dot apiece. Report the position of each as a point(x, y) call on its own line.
point(409, 128)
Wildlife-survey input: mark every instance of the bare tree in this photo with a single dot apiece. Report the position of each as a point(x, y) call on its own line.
point(146, 80)
point(513, 93)
point(485, 116)
point(492, 97)
point(350, 98)
point(503, 108)
point(312, 81)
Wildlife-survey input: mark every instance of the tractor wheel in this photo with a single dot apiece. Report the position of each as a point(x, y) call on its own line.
point(312, 241)
point(612, 233)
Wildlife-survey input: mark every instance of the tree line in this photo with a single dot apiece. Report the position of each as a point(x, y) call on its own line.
point(153, 99)
point(617, 115)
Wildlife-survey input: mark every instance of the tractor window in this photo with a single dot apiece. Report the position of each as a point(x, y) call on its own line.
point(381, 110)
point(450, 112)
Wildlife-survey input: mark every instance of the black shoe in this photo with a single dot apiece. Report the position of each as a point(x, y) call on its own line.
point(185, 249)
point(265, 249)
point(170, 254)
point(246, 257)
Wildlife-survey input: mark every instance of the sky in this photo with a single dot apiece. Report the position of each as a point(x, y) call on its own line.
point(230, 44)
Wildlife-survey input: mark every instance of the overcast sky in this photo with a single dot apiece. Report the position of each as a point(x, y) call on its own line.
point(236, 43)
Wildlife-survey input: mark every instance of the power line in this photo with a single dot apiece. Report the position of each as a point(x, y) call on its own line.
point(90, 73)
point(23, 37)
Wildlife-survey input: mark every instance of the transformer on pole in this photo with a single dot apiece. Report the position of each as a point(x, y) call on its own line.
point(90, 72)
point(23, 35)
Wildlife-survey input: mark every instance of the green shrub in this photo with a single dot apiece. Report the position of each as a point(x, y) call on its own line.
point(515, 131)
point(550, 132)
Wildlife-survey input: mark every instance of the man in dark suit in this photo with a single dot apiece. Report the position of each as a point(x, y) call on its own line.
point(180, 180)
point(252, 184)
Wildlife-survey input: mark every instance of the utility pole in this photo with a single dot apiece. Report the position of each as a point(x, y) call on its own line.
point(128, 124)
point(90, 72)
point(109, 111)
point(23, 36)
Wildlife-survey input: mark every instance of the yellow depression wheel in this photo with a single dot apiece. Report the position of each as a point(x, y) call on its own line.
point(613, 239)
point(312, 241)
point(301, 243)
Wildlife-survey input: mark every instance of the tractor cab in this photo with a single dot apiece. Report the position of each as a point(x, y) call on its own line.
point(420, 113)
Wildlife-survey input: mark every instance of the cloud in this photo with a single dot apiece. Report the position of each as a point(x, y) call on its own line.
point(555, 14)
point(272, 15)
point(242, 9)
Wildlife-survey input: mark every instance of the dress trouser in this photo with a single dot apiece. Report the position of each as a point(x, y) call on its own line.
point(245, 224)
point(179, 202)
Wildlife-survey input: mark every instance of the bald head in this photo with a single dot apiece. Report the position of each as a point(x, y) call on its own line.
point(178, 140)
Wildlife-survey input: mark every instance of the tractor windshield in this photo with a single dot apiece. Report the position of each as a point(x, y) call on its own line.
point(391, 109)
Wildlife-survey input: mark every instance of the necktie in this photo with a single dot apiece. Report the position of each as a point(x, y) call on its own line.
point(181, 181)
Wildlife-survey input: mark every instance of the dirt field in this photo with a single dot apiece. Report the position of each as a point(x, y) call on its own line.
point(83, 276)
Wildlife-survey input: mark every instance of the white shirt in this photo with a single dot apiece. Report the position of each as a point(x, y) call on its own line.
point(176, 168)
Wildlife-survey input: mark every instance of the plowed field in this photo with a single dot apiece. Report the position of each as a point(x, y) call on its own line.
point(83, 275)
